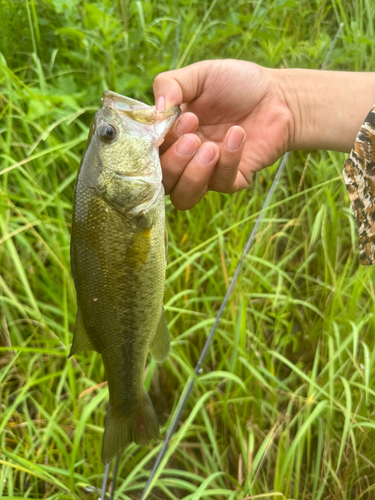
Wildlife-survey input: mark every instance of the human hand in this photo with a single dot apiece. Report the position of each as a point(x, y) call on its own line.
point(241, 120)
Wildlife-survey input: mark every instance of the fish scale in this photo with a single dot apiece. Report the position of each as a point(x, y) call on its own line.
point(118, 259)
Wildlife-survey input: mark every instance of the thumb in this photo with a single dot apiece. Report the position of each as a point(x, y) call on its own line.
point(179, 86)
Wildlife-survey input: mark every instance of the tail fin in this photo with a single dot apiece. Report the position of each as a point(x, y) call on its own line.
point(140, 427)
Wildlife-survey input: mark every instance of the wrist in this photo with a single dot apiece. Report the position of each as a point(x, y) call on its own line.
point(301, 99)
point(328, 107)
point(279, 98)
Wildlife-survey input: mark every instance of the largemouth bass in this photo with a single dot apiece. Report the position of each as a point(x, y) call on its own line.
point(118, 258)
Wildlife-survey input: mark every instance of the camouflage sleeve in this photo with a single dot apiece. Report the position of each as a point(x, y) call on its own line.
point(359, 177)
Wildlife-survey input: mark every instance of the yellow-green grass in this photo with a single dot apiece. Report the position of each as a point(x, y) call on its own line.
point(285, 406)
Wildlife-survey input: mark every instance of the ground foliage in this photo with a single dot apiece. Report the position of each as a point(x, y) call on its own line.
point(284, 408)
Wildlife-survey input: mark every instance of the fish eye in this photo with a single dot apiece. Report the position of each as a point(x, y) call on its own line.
point(108, 133)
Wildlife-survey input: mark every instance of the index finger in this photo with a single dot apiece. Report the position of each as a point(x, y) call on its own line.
point(179, 86)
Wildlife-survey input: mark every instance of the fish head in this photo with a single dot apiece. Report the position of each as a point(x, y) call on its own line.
point(121, 162)
point(129, 133)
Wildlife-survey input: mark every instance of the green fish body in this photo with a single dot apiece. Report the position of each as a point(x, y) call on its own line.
point(118, 258)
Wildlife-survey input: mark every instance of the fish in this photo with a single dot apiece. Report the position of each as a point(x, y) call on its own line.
point(118, 260)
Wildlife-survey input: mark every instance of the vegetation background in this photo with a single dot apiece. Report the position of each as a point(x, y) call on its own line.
point(285, 406)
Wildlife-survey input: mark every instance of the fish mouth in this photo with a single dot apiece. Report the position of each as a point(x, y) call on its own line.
point(136, 110)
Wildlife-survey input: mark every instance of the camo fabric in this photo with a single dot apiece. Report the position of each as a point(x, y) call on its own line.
point(359, 177)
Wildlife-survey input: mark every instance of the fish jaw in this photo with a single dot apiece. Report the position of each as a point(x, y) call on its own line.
point(157, 123)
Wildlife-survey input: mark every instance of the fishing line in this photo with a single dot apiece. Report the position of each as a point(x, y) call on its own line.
point(198, 368)
point(105, 479)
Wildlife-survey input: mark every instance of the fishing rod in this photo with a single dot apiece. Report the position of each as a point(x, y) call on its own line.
point(198, 368)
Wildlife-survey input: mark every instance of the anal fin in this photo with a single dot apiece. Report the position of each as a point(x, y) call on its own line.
point(81, 341)
point(159, 346)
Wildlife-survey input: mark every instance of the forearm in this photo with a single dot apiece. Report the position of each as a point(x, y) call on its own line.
point(328, 107)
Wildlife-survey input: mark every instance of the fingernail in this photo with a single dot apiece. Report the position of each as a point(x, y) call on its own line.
point(235, 139)
point(186, 146)
point(160, 103)
point(205, 154)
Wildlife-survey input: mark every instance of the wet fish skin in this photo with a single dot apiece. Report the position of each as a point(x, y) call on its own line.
point(118, 258)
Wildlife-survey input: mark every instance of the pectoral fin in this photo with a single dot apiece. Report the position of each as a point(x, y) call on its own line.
point(81, 341)
point(159, 346)
point(140, 244)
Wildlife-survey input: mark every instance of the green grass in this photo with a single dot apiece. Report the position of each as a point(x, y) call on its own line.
point(284, 408)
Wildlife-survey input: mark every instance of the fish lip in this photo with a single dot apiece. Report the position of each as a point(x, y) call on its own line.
point(140, 178)
point(136, 110)
point(149, 116)
point(162, 115)
point(109, 97)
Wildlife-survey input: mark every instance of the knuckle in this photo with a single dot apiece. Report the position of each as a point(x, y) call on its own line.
point(222, 186)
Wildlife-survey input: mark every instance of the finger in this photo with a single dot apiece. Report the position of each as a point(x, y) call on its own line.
point(226, 171)
point(193, 182)
point(179, 86)
point(187, 123)
point(175, 159)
